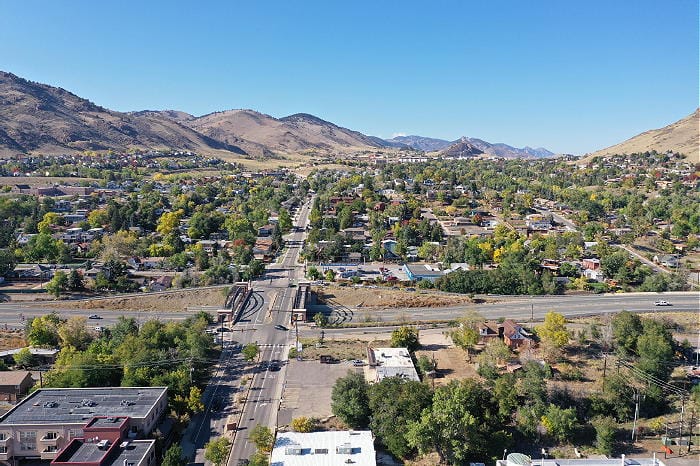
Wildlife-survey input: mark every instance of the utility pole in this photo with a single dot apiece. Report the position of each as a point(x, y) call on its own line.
point(605, 367)
point(636, 413)
point(680, 440)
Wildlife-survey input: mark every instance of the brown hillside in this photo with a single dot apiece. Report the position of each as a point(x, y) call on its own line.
point(41, 119)
point(682, 137)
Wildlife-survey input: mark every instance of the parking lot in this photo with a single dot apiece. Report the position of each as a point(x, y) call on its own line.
point(308, 388)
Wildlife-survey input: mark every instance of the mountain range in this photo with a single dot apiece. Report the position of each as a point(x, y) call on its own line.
point(37, 118)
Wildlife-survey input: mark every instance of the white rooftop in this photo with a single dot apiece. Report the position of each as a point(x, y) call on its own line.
point(522, 460)
point(394, 362)
point(324, 449)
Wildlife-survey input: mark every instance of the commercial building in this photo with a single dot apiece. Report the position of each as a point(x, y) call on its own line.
point(519, 459)
point(324, 448)
point(105, 442)
point(49, 419)
point(390, 362)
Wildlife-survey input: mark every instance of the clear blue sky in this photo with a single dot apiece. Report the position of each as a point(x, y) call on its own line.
point(572, 76)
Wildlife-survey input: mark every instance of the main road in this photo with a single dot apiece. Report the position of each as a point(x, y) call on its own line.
point(269, 327)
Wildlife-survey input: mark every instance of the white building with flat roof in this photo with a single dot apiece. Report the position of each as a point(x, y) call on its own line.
point(324, 449)
point(519, 459)
point(390, 362)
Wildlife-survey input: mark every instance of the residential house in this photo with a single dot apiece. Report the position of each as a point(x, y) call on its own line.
point(14, 384)
point(161, 283)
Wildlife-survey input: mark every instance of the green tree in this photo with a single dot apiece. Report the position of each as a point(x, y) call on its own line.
point(313, 273)
point(284, 220)
point(75, 280)
point(58, 283)
point(626, 328)
point(173, 456)
point(559, 422)
point(605, 432)
point(262, 437)
point(655, 347)
point(405, 337)
point(460, 425)
point(24, 358)
point(349, 400)
point(217, 450)
point(8, 262)
point(390, 420)
point(505, 393)
point(259, 459)
point(321, 319)
point(250, 351)
point(494, 354)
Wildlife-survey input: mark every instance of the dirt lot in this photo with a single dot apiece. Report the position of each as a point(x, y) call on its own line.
point(388, 298)
point(162, 302)
point(35, 181)
point(11, 339)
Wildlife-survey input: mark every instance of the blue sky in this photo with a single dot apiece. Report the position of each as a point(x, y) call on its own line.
point(572, 76)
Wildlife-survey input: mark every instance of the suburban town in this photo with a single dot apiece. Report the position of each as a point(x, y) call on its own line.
point(364, 233)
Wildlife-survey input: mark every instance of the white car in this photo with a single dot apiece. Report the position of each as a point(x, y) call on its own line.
point(662, 303)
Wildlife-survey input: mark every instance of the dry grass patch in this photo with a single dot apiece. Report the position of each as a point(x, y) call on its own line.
point(340, 349)
point(372, 298)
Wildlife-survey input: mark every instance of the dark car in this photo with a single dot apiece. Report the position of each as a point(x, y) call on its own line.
point(243, 462)
point(281, 327)
point(94, 316)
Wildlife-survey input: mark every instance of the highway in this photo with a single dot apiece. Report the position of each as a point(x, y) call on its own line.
point(524, 308)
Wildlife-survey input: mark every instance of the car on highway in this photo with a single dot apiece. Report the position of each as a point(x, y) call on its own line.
point(661, 302)
point(243, 462)
point(281, 327)
point(94, 316)
point(275, 365)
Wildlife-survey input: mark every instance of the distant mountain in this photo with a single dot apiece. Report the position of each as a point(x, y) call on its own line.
point(37, 118)
point(497, 150)
point(263, 134)
point(420, 143)
point(509, 152)
point(682, 137)
point(460, 149)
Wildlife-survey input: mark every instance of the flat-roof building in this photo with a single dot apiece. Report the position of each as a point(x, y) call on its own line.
point(324, 448)
point(519, 459)
point(49, 419)
point(390, 362)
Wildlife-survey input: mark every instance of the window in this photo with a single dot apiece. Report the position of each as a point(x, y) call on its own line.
point(51, 449)
point(3, 449)
point(27, 440)
point(3, 436)
point(50, 436)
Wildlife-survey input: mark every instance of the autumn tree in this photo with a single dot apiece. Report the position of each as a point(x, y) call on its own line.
point(553, 332)
point(217, 450)
point(74, 332)
point(262, 437)
point(405, 337)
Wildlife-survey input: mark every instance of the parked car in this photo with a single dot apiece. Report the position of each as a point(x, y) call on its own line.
point(662, 303)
